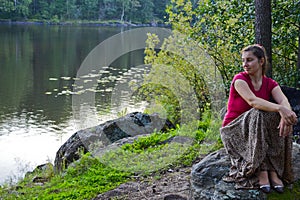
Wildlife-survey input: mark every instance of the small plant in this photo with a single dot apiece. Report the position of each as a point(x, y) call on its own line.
point(122, 113)
point(144, 143)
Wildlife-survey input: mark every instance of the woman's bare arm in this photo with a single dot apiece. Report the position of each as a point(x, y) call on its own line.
point(288, 117)
point(243, 89)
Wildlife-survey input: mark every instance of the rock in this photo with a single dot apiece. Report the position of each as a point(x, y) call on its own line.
point(40, 169)
point(39, 179)
point(40, 175)
point(178, 139)
point(171, 185)
point(296, 161)
point(293, 96)
point(207, 183)
point(124, 189)
point(133, 124)
point(174, 197)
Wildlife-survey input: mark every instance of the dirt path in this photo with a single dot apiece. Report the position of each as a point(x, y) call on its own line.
point(171, 185)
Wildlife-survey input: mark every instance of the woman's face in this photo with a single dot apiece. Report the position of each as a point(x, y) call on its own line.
point(251, 64)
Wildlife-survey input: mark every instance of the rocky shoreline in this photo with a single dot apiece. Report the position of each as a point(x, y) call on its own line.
point(84, 23)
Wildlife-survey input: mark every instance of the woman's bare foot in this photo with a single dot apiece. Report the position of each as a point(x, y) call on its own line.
point(264, 183)
point(263, 178)
point(276, 182)
point(274, 178)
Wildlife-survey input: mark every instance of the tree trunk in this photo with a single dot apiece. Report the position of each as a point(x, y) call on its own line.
point(123, 13)
point(298, 61)
point(263, 28)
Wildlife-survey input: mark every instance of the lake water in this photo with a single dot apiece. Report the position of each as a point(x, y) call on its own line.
point(38, 66)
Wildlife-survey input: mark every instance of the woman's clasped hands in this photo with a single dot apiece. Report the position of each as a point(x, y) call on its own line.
point(288, 119)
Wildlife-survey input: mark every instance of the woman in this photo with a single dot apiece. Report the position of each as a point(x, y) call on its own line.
point(257, 132)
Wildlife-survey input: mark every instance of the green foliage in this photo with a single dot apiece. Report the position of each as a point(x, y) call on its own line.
point(46, 173)
point(181, 78)
point(6, 8)
point(14, 9)
point(161, 99)
point(148, 161)
point(136, 11)
point(122, 113)
point(286, 20)
point(88, 9)
point(84, 180)
point(40, 10)
point(144, 143)
point(223, 28)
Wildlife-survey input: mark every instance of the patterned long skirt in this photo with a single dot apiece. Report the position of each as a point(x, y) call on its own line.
point(253, 143)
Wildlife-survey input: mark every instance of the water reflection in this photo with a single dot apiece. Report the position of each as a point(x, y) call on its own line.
point(38, 67)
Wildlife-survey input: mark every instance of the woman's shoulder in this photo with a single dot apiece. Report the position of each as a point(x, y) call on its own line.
point(241, 75)
point(269, 79)
point(271, 83)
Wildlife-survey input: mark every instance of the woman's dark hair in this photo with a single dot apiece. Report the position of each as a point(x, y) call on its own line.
point(260, 52)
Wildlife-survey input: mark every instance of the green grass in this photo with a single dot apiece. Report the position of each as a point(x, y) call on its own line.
point(289, 193)
point(85, 180)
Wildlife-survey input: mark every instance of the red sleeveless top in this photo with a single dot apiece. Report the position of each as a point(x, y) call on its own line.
point(237, 105)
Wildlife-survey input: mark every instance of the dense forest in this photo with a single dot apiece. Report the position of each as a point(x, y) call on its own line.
point(135, 11)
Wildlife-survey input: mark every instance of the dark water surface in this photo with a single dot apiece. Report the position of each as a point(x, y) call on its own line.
point(38, 64)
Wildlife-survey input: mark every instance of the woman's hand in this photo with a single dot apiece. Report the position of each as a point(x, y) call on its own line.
point(287, 115)
point(288, 119)
point(284, 129)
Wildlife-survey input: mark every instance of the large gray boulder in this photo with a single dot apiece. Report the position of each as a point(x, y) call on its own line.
point(207, 183)
point(293, 96)
point(133, 124)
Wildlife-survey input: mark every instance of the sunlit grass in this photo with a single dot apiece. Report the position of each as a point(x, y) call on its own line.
point(84, 180)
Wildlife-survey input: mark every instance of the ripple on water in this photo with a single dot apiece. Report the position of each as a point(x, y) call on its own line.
point(28, 139)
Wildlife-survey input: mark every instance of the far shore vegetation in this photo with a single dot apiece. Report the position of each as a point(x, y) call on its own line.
point(125, 11)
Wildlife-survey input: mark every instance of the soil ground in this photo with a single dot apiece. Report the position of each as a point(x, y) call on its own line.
point(169, 185)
